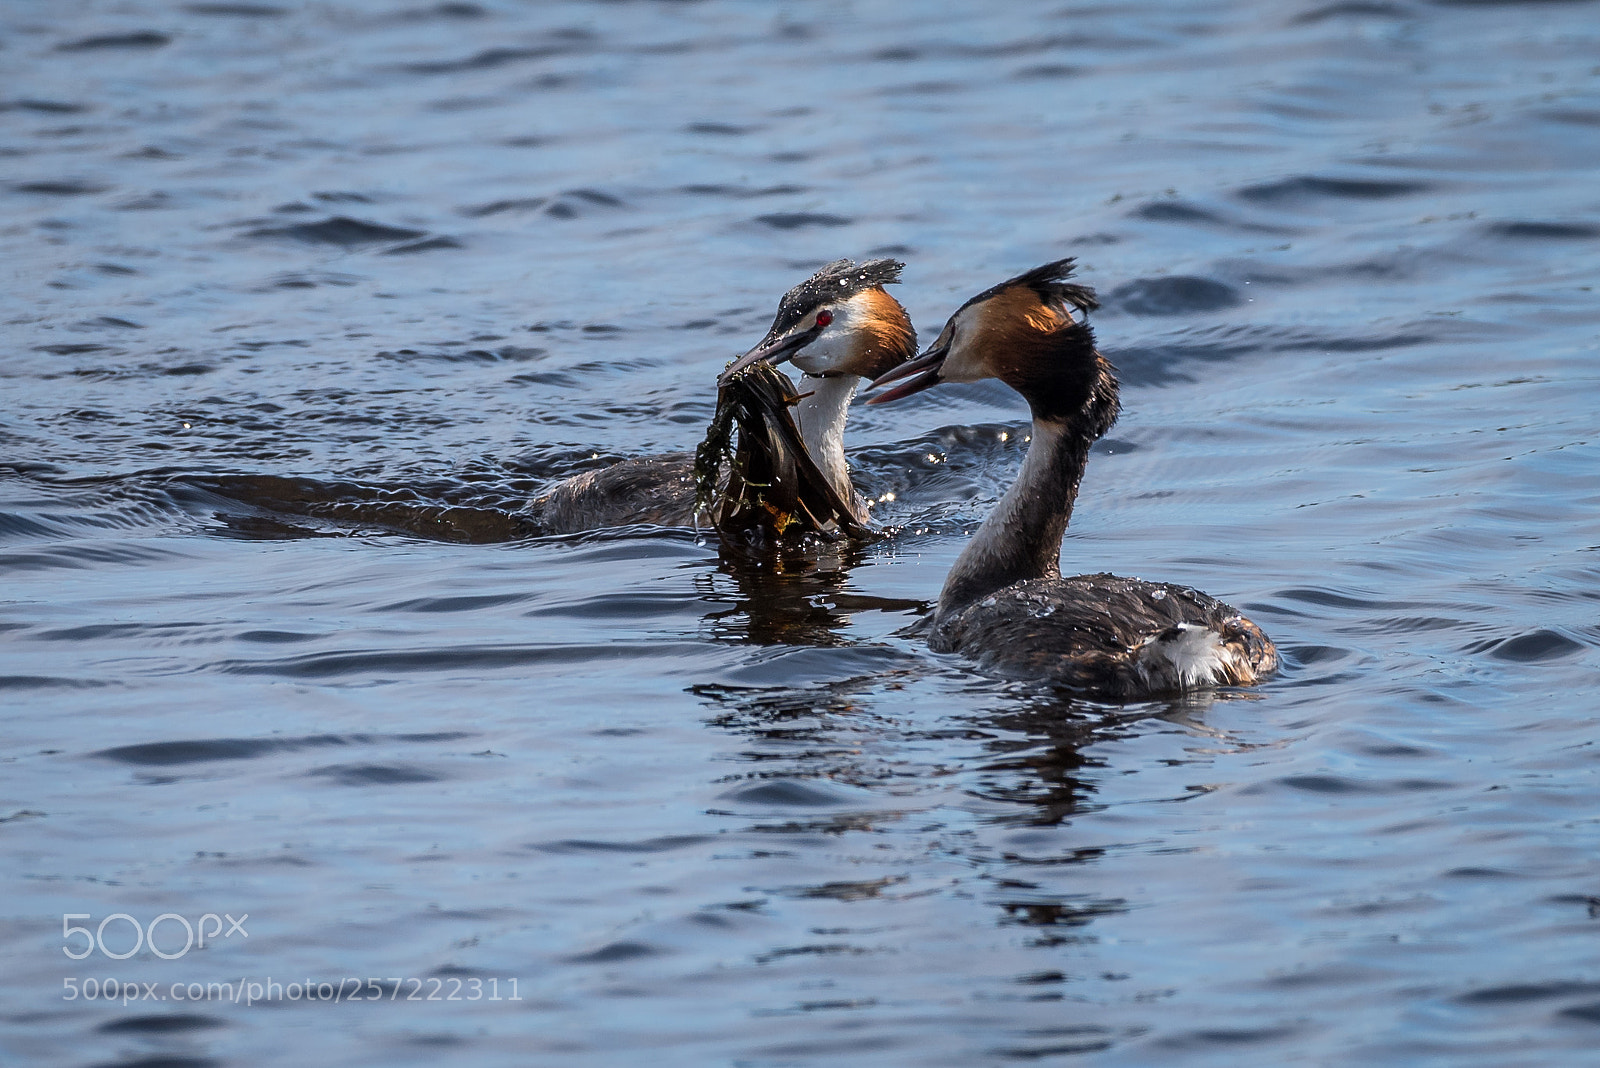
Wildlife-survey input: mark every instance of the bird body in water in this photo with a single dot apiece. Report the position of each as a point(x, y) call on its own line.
point(1005, 602)
point(840, 327)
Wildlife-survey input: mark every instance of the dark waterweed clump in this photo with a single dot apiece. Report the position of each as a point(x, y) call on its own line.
point(753, 476)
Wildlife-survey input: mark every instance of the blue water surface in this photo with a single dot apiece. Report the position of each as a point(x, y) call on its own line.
point(302, 300)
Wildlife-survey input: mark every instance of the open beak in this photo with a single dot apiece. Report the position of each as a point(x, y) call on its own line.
point(929, 364)
point(773, 350)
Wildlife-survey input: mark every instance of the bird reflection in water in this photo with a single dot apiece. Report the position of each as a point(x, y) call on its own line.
point(792, 594)
point(1039, 752)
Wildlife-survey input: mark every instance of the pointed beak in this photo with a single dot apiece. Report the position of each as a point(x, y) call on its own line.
point(773, 350)
point(926, 368)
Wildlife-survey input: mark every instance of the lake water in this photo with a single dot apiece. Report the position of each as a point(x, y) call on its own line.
point(301, 300)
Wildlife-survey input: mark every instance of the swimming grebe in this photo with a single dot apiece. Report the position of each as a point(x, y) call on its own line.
point(839, 326)
point(1005, 602)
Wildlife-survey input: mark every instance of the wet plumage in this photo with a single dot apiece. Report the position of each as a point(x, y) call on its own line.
point(1115, 637)
point(658, 490)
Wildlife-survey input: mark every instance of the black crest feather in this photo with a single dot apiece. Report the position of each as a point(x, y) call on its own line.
point(1049, 281)
point(839, 280)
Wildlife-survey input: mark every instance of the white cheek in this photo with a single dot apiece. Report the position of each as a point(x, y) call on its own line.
point(831, 347)
point(960, 366)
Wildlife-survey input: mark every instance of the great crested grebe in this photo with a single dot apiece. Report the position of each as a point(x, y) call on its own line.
point(839, 327)
point(1005, 602)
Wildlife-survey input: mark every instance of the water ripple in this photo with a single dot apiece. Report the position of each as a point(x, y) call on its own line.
point(467, 658)
point(164, 754)
point(306, 302)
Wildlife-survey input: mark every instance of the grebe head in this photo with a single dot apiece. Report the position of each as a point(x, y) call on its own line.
point(1024, 333)
point(840, 321)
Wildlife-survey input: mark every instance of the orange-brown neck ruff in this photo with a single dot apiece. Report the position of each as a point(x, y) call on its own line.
point(885, 337)
point(1043, 353)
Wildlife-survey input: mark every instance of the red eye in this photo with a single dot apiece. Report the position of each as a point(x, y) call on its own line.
point(824, 318)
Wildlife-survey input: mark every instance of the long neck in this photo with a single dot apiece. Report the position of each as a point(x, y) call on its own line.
point(1021, 539)
point(821, 419)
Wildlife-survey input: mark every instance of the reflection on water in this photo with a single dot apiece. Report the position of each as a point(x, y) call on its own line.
point(794, 594)
point(307, 301)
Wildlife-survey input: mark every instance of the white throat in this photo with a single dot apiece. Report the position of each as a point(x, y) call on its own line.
point(821, 417)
